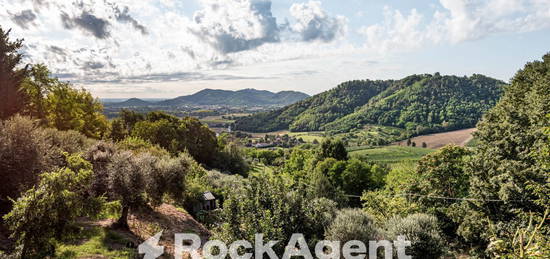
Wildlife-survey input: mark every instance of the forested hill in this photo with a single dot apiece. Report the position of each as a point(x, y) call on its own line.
point(419, 103)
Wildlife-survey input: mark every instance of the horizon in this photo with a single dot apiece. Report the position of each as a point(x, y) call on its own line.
point(167, 48)
point(122, 98)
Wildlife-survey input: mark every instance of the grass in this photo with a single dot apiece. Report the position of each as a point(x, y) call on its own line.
point(95, 241)
point(309, 136)
point(260, 168)
point(372, 135)
point(392, 154)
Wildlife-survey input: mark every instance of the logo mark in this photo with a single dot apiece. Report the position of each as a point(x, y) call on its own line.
point(150, 247)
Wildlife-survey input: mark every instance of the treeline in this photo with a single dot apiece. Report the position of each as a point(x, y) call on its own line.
point(418, 103)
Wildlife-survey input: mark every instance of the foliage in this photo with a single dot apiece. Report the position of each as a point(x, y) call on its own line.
point(278, 212)
point(423, 232)
point(312, 113)
point(138, 179)
point(26, 150)
point(96, 241)
point(442, 174)
point(383, 205)
point(352, 224)
point(178, 135)
point(138, 145)
point(391, 154)
point(38, 216)
point(231, 159)
point(333, 148)
point(506, 165)
point(408, 103)
point(12, 98)
point(61, 106)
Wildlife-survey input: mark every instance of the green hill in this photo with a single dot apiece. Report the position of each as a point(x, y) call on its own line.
point(419, 103)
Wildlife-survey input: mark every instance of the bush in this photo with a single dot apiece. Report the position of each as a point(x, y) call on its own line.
point(26, 150)
point(46, 211)
point(138, 145)
point(352, 224)
point(423, 232)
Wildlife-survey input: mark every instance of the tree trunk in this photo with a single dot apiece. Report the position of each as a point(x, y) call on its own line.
point(122, 222)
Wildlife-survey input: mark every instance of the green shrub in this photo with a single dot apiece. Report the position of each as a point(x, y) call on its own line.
point(423, 232)
point(352, 224)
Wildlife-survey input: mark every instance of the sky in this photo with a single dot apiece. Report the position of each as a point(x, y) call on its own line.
point(168, 48)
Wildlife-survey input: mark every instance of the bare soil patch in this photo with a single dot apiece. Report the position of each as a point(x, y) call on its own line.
point(438, 140)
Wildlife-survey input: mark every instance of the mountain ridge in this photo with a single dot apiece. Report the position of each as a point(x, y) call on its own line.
point(243, 97)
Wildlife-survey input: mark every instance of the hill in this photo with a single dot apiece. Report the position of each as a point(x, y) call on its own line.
point(132, 102)
point(418, 103)
point(245, 97)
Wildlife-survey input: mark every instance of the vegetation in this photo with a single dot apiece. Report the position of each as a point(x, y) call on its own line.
point(408, 103)
point(489, 200)
point(390, 154)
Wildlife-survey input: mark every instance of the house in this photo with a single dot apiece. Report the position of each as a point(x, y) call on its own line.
point(207, 203)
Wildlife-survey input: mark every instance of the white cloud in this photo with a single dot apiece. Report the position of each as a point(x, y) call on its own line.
point(233, 26)
point(470, 20)
point(313, 23)
point(456, 21)
point(398, 31)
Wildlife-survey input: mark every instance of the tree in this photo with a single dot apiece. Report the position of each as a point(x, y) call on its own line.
point(71, 109)
point(44, 212)
point(127, 182)
point(12, 98)
point(333, 148)
point(278, 212)
point(442, 174)
point(37, 85)
point(505, 164)
point(140, 179)
point(118, 130)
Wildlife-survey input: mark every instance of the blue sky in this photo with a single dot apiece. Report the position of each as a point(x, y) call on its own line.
point(167, 48)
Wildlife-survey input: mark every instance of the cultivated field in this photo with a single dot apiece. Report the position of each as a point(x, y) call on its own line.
point(438, 140)
point(392, 154)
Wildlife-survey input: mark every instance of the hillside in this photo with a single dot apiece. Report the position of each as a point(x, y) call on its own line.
point(132, 102)
point(246, 97)
point(419, 103)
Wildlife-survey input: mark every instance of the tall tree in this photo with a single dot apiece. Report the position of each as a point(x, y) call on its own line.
point(12, 99)
point(505, 165)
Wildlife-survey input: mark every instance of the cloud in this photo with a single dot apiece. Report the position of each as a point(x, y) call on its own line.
point(397, 31)
point(88, 22)
point(124, 16)
point(24, 18)
point(456, 21)
point(313, 23)
point(463, 20)
point(235, 25)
